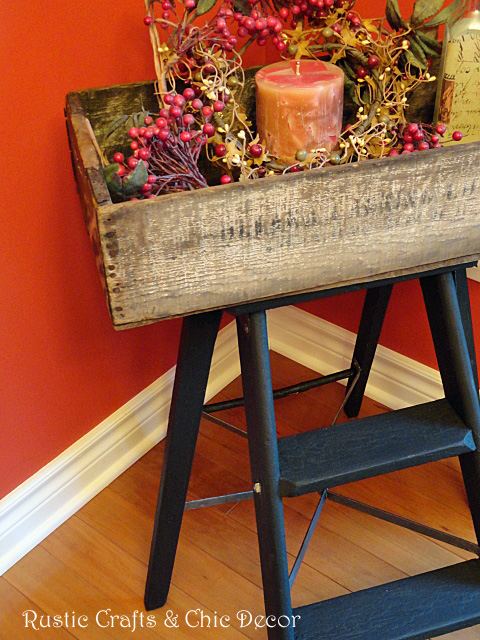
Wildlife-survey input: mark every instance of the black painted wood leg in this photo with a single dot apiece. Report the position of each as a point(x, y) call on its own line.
point(264, 463)
point(193, 365)
point(371, 322)
point(446, 324)
point(461, 283)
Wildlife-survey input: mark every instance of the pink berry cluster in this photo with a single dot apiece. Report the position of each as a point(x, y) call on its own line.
point(261, 27)
point(166, 7)
point(170, 146)
point(312, 10)
point(225, 13)
point(421, 137)
point(216, 30)
point(354, 20)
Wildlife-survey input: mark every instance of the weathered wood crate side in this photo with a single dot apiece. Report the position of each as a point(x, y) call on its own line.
point(88, 172)
point(224, 245)
point(189, 252)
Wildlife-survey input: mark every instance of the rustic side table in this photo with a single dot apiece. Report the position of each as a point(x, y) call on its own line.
point(245, 248)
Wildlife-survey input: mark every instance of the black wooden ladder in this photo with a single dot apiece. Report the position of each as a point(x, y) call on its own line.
point(419, 607)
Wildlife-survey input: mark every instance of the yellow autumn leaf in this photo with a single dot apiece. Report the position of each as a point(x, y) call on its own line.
point(302, 51)
point(370, 26)
point(241, 115)
point(340, 53)
point(348, 37)
point(371, 82)
point(233, 148)
point(294, 34)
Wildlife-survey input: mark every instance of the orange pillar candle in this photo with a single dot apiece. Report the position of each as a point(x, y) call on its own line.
point(299, 106)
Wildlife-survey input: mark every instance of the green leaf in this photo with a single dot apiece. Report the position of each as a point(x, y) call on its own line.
point(418, 53)
point(350, 84)
point(242, 6)
point(348, 70)
point(425, 9)
point(412, 59)
point(431, 46)
point(204, 6)
point(446, 14)
point(113, 180)
point(394, 17)
point(365, 94)
point(138, 118)
point(135, 180)
point(354, 97)
point(115, 125)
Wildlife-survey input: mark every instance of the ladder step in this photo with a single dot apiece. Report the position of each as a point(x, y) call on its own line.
point(368, 447)
point(416, 608)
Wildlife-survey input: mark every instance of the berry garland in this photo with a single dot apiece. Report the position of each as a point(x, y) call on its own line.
point(383, 60)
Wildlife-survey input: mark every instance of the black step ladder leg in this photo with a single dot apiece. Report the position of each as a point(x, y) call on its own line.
point(461, 284)
point(193, 365)
point(264, 463)
point(371, 322)
point(446, 324)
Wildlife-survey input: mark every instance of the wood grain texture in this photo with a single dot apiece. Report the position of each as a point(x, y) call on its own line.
point(88, 172)
point(13, 604)
point(189, 252)
point(236, 243)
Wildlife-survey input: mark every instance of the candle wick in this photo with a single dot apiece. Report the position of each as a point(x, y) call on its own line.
point(297, 68)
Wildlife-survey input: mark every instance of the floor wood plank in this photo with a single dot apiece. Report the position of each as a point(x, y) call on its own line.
point(56, 589)
point(99, 560)
point(20, 617)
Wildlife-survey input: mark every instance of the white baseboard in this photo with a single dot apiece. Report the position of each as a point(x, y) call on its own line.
point(395, 380)
point(474, 273)
point(42, 503)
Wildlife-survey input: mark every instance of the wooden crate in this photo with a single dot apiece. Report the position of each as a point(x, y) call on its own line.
point(216, 247)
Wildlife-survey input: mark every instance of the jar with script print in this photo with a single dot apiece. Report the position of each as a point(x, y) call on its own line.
point(458, 95)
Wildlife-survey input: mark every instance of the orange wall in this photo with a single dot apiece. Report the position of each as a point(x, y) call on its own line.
point(64, 368)
point(406, 326)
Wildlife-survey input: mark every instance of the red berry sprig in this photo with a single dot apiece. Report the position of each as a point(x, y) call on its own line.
point(313, 11)
point(421, 137)
point(170, 146)
point(260, 26)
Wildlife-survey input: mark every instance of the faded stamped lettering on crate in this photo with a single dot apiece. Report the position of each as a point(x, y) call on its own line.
point(386, 203)
point(226, 245)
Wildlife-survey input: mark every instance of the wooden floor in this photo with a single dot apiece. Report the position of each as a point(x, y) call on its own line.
point(97, 560)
